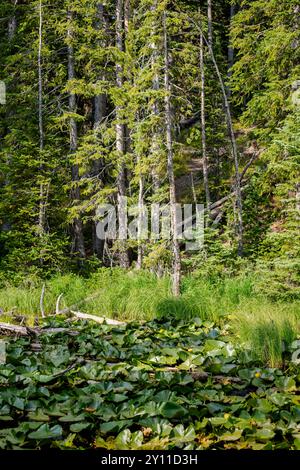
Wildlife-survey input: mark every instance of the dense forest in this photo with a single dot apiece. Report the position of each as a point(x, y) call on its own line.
point(159, 103)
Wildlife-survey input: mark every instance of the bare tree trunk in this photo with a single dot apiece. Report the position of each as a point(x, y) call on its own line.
point(139, 263)
point(155, 110)
point(210, 22)
point(41, 131)
point(75, 194)
point(44, 187)
point(298, 201)
point(120, 136)
point(100, 102)
point(127, 130)
point(127, 11)
point(12, 23)
point(230, 50)
point(170, 168)
point(11, 31)
point(203, 126)
point(235, 154)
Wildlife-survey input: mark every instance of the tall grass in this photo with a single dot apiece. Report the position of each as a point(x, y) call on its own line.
point(267, 328)
point(111, 293)
point(262, 325)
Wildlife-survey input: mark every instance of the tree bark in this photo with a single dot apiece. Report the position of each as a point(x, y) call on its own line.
point(155, 109)
point(44, 187)
point(120, 137)
point(41, 130)
point(100, 103)
point(75, 193)
point(99, 100)
point(298, 201)
point(11, 31)
point(12, 23)
point(139, 263)
point(170, 168)
point(210, 22)
point(230, 51)
point(235, 154)
point(203, 126)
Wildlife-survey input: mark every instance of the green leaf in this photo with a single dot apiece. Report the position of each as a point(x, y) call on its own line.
point(297, 443)
point(72, 418)
point(231, 436)
point(46, 432)
point(38, 416)
point(123, 439)
point(173, 410)
point(77, 427)
point(60, 355)
point(264, 434)
point(114, 426)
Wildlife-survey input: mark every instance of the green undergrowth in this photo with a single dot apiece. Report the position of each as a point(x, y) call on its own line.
point(256, 321)
point(154, 385)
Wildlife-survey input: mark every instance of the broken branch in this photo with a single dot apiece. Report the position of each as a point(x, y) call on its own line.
point(86, 316)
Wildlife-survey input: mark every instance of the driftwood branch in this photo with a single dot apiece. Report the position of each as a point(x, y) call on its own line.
point(57, 310)
point(74, 306)
point(42, 301)
point(14, 329)
point(86, 316)
point(6, 328)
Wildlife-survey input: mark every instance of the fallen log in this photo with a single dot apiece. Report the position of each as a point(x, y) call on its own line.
point(7, 328)
point(72, 307)
point(16, 329)
point(86, 316)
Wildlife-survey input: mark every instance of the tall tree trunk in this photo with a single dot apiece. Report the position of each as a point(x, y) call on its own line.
point(100, 102)
point(11, 31)
point(203, 127)
point(155, 145)
point(235, 153)
point(230, 50)
point(210, 22)
point(298, 201)
point(120, 139)
point(41, 130)
point(127, 14)
point(155, 109)
point(139, 263)
point(127, 11)
point(12, 23)
point(44, 187)
point(170, 168)
point(75, 193)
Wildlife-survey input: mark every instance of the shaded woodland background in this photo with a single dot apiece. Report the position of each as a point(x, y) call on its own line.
point(100, 97)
